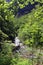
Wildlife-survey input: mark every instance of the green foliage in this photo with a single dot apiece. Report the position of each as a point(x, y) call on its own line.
point(3, 36)
point(23, 3)
point(8, 23)
point(5, 53)
point(29, 28)
point(32, 32)
point(7, 18)
point(21, 61)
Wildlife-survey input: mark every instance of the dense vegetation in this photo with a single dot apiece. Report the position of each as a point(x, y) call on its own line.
point(28, 27)
point(31, 32)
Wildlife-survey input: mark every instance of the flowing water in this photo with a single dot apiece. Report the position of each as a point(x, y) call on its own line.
point(26, 51)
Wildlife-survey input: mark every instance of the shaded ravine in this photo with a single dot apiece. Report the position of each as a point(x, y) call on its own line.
point(27, 9)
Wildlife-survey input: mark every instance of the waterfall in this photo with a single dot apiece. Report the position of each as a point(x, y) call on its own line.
point(17, 42)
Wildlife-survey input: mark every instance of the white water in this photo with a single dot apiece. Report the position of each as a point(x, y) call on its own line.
point(17, 41)
point(23, 49)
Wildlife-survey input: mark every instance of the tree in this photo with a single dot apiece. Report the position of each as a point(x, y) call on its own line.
point(32, 32)
point(7, 18)
point(5, 53)
point(23, 3)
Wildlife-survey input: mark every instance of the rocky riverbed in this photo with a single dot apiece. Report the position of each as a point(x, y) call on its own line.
point(29, 52)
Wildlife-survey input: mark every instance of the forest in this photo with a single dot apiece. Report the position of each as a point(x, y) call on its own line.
point(21, 20)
